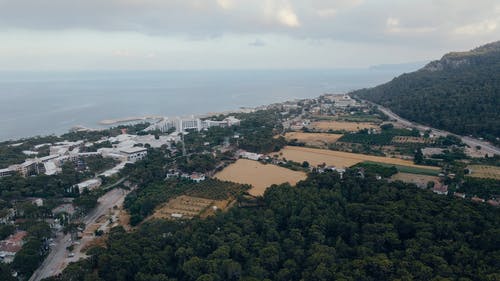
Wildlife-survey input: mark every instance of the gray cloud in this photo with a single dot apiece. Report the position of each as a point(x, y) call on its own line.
point(178, 34)
point(345, 20)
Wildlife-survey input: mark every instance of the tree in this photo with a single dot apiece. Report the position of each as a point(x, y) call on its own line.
point(419, 156)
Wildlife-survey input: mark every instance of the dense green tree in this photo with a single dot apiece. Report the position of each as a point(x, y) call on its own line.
point(326, 228)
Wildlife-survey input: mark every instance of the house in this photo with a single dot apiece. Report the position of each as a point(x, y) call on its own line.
point(440, 189)
point(10, 246)
point(459, 195)
point(196, 177)
point(476, 199)
point(172, 174)
point(493, 203)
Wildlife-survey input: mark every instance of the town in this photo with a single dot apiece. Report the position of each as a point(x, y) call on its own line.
point(76, 187)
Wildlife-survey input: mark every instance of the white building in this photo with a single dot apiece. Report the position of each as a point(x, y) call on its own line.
point(134, 154)
point(250, 155)
point(6, 172)
point(88, 184)
point(183, 124)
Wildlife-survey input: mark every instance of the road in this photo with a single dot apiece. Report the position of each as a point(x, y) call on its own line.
point(472, 142)
point(58, 258)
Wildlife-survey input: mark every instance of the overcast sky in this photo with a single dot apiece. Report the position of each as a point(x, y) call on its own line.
point(237, 34)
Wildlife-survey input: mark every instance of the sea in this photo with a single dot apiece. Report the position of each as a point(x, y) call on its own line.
point(45, 103)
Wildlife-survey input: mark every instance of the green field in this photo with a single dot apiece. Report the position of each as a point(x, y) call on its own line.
point(407, 169)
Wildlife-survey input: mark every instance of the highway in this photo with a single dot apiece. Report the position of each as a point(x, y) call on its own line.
point(472, 142)
point(58, 257)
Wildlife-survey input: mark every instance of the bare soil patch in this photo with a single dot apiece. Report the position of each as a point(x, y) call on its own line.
point(313, 139)
point(419, 180)
point(484, 171)
point(258, 175)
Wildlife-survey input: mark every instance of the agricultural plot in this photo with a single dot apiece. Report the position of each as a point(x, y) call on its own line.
point(258, 175)
point(185, 207)
point(342, 126)
point(342, 159)
point(313, 139)
point(409, 139)
point(484, 171)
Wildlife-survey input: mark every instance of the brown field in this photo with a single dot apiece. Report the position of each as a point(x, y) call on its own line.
point(187, 206)
point(342, 126)
point(484, 171)
point(260, 176)
point(339, 159)
point(405, 139)
point(315, 139)
point(419, 180)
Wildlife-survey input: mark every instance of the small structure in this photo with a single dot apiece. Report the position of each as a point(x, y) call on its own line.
point(459, 195)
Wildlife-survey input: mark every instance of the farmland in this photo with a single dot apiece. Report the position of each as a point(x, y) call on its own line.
point(184, 206)
point(312, 139)
point(258, 175)
point(342, 126)
point(410, 139)
point(341, 159)
point(484, 171)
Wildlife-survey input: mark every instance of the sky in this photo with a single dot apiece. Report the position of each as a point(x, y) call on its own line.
point(237, 34)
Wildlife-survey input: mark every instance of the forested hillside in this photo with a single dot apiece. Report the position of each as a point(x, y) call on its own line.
point(326, 228)
point(459, 93)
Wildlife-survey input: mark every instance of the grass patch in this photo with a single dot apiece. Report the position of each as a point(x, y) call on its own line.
point(407, 169)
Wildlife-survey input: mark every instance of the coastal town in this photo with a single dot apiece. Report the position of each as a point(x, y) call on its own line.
point(97, 176)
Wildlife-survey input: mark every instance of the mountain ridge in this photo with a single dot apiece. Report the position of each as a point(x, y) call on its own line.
point(459, 93)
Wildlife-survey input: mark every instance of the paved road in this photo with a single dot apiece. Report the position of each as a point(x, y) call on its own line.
point(472, 142)
point(58, 258)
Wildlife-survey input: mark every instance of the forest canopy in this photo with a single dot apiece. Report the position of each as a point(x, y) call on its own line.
point(326, 228)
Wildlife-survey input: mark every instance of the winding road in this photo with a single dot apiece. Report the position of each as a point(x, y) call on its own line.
point(472, 142)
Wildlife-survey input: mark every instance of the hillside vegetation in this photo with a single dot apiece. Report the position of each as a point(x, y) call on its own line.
point(459, 93)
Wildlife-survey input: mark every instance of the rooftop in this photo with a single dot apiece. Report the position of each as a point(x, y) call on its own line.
point(135, 149)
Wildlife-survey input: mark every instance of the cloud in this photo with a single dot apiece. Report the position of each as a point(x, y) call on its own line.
point(394, 26)
point(326, 13)
point(357, 21)
point(288, 17)
point(257, 43)
point(225, 4)
point(478, 28)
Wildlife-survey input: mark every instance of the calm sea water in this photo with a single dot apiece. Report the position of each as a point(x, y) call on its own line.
point(52, 102)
